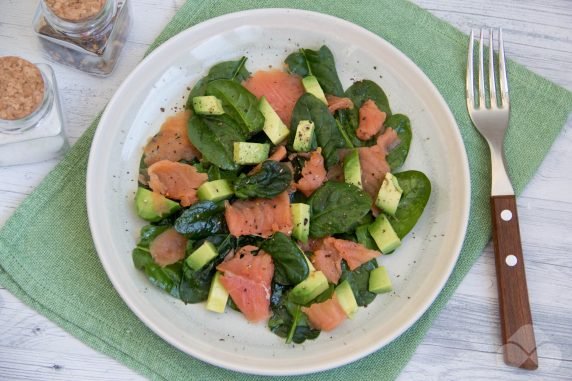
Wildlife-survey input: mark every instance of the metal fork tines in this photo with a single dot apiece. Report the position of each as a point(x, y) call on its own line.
point(491, 119)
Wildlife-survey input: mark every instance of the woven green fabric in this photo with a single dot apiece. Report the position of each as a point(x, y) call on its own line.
point(47, 256)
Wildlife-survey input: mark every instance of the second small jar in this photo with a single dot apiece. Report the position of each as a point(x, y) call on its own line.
point(85, 34)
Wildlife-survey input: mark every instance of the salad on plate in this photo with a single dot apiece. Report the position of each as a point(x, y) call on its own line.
point(276, 194)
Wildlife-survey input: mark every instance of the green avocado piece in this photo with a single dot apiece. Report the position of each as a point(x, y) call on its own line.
point(304, 136)
point(250, 153)
point(312, 86)
point(201, 256)
point(383, 234)
point(379, 281)
point(389, 194)
point(346, 298)
point(218, 295)
point(215, 190)
point(152, 206)
point(352, 169)
point(305, 291)
point(301, 221)
point(208, 105)
point(274, 128)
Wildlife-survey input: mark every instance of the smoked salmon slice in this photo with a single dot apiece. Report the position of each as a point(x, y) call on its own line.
point(373, 163)
point(259, 216)
point(313, 174)
point(247, 279)
point(326, 315)
point(371, 120)
point(176, 180)
point(168, 247)
point(171, 142)
point(338, 103)
point(281, 89)
point(328, 254)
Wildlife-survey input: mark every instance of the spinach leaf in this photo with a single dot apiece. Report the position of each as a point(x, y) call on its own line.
point(149, 233)
point(272, 179)
point(201, 220)
point(239, 103)
point(215, 173)
point(401, 124)
point(290, 266)
point(416, 191)
point(364, 238)
point(319, 63)
point(337, 208)
point(288, 320)
point(360, 92)
point(166, 278)
point(195, 285)
point(359, 281)
point(214, 137)
point(234, 70)
point(328, 136)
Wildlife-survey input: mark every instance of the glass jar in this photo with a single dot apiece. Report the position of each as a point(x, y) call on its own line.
point(90, 40)
point(39, 135)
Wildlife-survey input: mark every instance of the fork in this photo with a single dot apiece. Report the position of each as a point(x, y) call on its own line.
point(519, 345)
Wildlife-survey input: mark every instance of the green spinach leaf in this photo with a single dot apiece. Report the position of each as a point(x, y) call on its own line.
point(288, 320)
point(149, 233)
point(272, 179)
point(359, 281)
point(319, 63)
point(239, 103)
point(166, 278)
point(214, 137)
point(328, 136)
point(416, 191)
point(201, 220)
point(290, 266)
point(337, 208)
point(402, 126)
point(234, 70)
point(364, 238)
point(359, 92)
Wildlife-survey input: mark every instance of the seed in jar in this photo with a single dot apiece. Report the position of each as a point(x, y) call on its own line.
point(21, 88)
point(75, 10)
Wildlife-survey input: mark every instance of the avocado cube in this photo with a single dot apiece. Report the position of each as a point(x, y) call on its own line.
point(152, 206)
point(379, 281)
point(250, 153)
point(274, 128)
point(383, 234)
point(305, 291)
point(301, 221)
point(346, 298)
point(215, 190)
point(218, 295)
point(208, 105)
point(312, 86)
point(352, 169)
point(389, 194)
point(304, 136)
point(201, 256)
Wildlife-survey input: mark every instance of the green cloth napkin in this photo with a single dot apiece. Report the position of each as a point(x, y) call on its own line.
point(47, 256)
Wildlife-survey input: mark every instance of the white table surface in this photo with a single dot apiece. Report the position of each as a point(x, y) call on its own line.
point(464, 341)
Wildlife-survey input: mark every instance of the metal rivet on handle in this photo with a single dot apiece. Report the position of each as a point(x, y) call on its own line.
point(506, 215)
point(511, 260)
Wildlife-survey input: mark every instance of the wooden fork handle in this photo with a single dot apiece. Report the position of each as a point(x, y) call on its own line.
point(519, 344)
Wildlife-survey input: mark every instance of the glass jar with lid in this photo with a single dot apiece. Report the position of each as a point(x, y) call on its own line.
point(85, 34)
point(31, 120)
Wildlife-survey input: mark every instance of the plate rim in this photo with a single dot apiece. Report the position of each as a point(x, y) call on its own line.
point(107, 117)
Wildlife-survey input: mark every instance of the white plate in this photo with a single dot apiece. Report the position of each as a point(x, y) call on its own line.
point(419, 268)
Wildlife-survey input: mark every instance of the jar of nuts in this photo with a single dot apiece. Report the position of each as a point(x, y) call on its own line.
point(31, 120)
point(85, 34)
